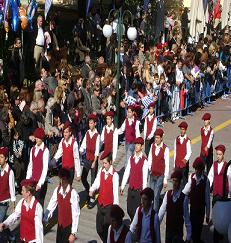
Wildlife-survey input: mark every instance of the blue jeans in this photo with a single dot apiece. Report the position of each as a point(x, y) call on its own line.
point(129, 150)
point(156, 183)
point(3, 210)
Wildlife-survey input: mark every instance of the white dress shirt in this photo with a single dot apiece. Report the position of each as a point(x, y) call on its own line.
point(11, 183)
point(46, 156)
point(166, 159)
point(188, 148)
point(84, 142)
point(175, 197)
point(188, 186)
point(179, 75)
point(40, 37)
point(154, 125)
point(145, 236)
point(59, 154)
point(115, 183)
point(128, 171)
point(130, 121)
point(74, 200)
point(206, 130)
point(37, 220)
point(117, 233)
point(115, 139)
point(219, 167)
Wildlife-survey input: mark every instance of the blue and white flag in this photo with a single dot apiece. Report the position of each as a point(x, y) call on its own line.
point(146, 101)
point(130, 100)
point(47, 7)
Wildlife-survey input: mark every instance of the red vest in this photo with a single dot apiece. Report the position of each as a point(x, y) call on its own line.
point(204, 141)
point(136, 173)
point(218, 180)
point(139, 224)
point(175, 214)
point(197, 194)
point(130, 131)
point(108, 142)
point(64, 209)
point(158, 162)
point(4, 182)
point(68, 155)
point(91, 146)
point(27, 223)
point(149, 125)
point(122, 236)
point(106, 197)
point(181, 151)
point(37, 163)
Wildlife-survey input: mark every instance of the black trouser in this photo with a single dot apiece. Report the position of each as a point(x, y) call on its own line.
point(185, 172)
point(133, 202)
point(173, 237)
point(208, 160)
point(85, 172)
point(148, 144)
point(103, 221)
point(197, 220)
point(40, 195)
point(63, 234)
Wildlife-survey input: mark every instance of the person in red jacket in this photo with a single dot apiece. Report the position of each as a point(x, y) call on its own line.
point(215, 177)
point(29, 212)
point(150, 124)
point(7, 186)
point(207, 135)
point(107, 182)
point(68, 150)
point(137, 172)
point(158, 163)
point(198, 189)
point(118, 232)
point(67, 200)
point(90, 144)
point(38, 165)
point(109, 136)
point(182, 152)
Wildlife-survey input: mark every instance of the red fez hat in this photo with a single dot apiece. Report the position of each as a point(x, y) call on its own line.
point(131, 107)
point(4, 151)
point(139, 140)
point(221, 148)
point(64, 174)
point(148, 192)
point(183, 125)
point(177, 174)
point(159, 132)
point(39, 133)
point(206, 116)
point(92, 117)
point(151, 105)
point(116, 212)
point(159, 46)
point(198, 163)
point(66, 125)
point(109, 113)
point(105, 155)
point(28, 182)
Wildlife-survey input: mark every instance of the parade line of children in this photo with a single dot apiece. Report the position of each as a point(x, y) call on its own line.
point(146, 173)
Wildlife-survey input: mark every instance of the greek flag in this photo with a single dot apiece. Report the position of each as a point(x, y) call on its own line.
point(47, 7)
point(130, 100)
point(146, 100)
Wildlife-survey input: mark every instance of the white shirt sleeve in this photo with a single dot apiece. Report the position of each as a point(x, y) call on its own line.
point(187, 219)
point(163, 208)
point(150, 159)
point(126, 174)
point(29, 168)
point(174, 156)
point(59, 152)
point(166, 159)
point(145, 127)
point(97, 146)
point(115, 183)
point(46, 156)
point(134, 222)
point(12, 186)
point(83, 144)
point(76, 159)
point(137, 127)
point(75, 211)
point(210, 139)
point(145, 174)
point(187, 188)
point(189, 150)
point(38, 223)
point(211, 175)
point(52, 203)
point(108, 235)
point(115, 144)
point(151, 135)
point(95, 186)
point(122, 128)
point(102, 135)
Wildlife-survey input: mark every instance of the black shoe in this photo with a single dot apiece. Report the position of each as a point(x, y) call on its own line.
point(91, 203)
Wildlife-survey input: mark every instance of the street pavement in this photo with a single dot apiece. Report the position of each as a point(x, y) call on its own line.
point(221, 122)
